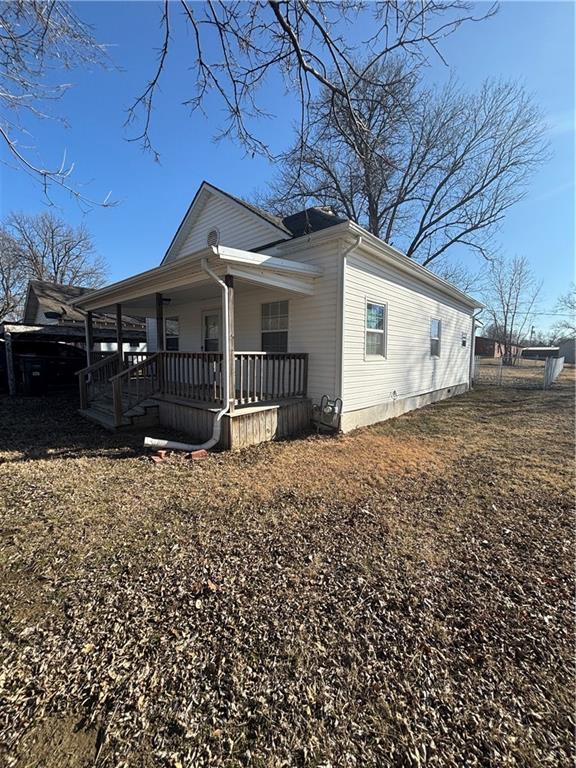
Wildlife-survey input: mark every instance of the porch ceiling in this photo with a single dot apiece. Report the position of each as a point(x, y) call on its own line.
point(185, 279)
point(145, 306)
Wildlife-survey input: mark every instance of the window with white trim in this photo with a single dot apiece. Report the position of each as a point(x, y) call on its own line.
point(435, 336)
point(375, 332)
point(275, 327)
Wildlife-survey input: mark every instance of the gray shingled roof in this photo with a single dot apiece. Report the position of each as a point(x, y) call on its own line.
point(297, 224)
point(311, 220)
point(53, 297)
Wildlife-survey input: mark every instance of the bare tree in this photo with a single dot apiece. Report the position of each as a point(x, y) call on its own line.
point(12, 276)
point(510, 296)
point(566, 306)
point(48, 248)
point(237, 45)
point(424, 171)
point(38, 38)
point(468, 279)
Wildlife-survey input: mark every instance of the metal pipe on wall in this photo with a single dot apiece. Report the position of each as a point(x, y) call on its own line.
point(151, 442)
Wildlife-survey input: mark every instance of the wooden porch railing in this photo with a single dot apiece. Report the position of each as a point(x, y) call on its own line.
point(195, 377)
point(97, 356)
point(137, 383)
point(94, 380)
point(133, 358)
point(130, 358)
point(263, 376)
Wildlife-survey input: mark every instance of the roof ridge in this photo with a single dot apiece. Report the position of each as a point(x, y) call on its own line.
point(276, 221)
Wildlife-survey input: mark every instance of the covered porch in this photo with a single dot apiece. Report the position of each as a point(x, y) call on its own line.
point(229, 305)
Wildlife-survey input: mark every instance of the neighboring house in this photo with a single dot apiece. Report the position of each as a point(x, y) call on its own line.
point(43, 351)
point(486, 347)
point(51, 304)
point(567, 350)
point(316, 305)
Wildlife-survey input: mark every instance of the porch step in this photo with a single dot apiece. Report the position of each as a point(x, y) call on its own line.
point(101, 412)
point(102, 418)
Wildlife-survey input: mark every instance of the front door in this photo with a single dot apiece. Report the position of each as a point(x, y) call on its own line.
point(211, 331)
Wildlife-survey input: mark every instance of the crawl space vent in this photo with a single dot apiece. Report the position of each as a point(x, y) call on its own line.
point(213, 237)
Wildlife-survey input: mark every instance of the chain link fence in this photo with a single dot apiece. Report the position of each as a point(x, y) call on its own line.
point(521, 374)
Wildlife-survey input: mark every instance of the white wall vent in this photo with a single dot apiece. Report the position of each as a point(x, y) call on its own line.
point(213, 237)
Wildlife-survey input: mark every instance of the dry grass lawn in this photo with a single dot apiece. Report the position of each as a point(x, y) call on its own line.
point(399, 596)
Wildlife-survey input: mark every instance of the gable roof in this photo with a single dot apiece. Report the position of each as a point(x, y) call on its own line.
point(57, 298)
point(52, 297)
point(275, 223)
point(314, 222)
point(303, 222)
point(284, 228)
point(271, 218)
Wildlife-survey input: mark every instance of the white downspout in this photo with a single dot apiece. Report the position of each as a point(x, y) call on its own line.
point(345, 255)
point(151, 442)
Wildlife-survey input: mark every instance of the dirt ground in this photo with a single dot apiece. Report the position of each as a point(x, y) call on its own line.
point(399, 596)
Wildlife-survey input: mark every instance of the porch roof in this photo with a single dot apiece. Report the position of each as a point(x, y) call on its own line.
point(258, 268)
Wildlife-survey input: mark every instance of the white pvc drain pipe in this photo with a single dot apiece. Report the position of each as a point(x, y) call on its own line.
point(151, 442)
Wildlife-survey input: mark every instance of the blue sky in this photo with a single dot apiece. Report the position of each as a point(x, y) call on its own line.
point(533, 42)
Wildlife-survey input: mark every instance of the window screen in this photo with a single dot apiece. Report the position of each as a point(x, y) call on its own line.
point(375, 329)
point(435, 332)
point(275, 327)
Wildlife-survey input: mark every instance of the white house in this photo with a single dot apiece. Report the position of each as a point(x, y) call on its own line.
point(274, 313)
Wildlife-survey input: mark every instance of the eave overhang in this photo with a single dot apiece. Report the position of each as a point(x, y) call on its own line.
point(254, 267)
point(349, 232)
point(388, 253)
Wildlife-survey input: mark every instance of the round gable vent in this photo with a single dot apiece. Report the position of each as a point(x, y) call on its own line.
point(213, 237)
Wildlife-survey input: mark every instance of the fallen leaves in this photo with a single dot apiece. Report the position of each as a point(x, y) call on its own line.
point(162, 619)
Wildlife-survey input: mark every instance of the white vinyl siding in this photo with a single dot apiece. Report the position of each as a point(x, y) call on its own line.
point(237, 227)
point(408, 368)
point(312, 320)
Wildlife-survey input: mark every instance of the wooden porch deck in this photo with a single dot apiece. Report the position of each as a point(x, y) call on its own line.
point(183, 390)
